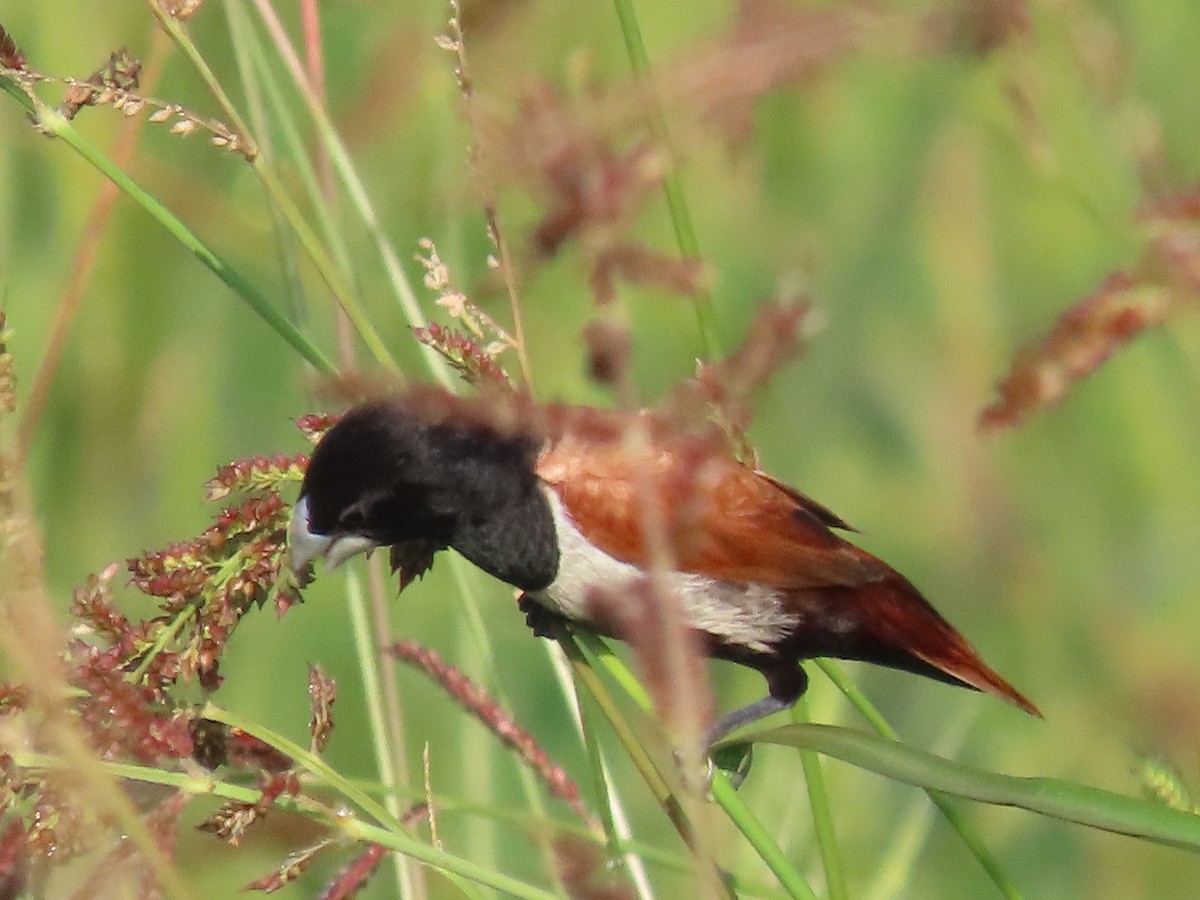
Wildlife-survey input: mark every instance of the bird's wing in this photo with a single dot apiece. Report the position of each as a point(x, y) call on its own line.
point(710, 515)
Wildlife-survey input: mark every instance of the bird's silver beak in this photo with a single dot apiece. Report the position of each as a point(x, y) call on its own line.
point(304, 545)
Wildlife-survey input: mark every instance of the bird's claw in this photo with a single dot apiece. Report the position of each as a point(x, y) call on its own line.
point(544, 622)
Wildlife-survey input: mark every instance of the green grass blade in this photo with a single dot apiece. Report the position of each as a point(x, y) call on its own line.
point(1054, 797)
point(391, 832)
point(356, 192)
point(676, 198)
point(334, 278)
point(282, 120)
point(822, 813)
point(951, 813)
point(55, 123)
point(727, 798)
point(759, 838)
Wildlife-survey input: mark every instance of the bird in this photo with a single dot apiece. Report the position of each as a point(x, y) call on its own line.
point(554, 503)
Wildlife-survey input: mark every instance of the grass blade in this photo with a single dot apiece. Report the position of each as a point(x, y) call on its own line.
point(822, 813)
point(55, 123)
point(1054, 797)
point(951, 813)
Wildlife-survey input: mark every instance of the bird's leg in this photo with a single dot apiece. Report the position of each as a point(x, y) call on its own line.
point(786, 683)
point(543, 621)
point(751, 712)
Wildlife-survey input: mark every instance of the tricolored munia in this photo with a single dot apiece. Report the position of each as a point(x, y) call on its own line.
point(553, 502)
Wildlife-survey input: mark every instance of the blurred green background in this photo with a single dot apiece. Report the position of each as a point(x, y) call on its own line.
point(941, 209)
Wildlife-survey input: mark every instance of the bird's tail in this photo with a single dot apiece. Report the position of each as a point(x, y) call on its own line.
point(897, 627)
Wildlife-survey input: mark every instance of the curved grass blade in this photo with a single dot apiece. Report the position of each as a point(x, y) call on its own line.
point(52, 122)
point(1054, 797)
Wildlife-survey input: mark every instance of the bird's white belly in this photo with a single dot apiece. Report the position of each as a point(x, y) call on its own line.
point(751, 615)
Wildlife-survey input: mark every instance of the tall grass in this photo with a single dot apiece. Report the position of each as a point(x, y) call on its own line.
point(942, 186)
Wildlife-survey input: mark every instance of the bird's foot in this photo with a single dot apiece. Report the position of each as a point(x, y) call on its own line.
point(732, 721)
point(733, 760)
